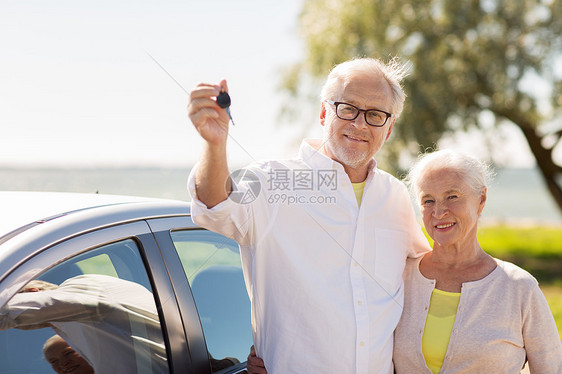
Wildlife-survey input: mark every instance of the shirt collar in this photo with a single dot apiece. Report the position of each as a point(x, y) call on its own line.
point(310, 153)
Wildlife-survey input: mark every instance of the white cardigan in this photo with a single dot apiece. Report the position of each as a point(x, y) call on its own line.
point(501, 320)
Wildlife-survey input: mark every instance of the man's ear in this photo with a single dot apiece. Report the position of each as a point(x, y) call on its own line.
point(390, 129)
point(322, 114)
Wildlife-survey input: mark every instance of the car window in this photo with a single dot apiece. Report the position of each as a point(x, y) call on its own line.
point(98, 264)
point(94, 312)
point(212, 265)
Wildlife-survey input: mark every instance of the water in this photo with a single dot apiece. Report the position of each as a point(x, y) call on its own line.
point(515, 195)
point(519, 195)
point(160, 183)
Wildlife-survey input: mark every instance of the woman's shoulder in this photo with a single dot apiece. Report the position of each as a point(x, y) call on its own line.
point(515, 275)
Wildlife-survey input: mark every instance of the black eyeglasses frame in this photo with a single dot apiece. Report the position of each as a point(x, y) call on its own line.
point(337, 103)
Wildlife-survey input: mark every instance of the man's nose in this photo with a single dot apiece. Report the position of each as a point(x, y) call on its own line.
point(359, 121)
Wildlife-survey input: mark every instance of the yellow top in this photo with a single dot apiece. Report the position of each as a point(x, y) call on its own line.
point(358, 189)
point(438, 327)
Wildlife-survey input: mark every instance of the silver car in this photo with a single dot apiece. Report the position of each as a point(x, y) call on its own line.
point(111, 284)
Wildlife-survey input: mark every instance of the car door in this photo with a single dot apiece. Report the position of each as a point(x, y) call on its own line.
point(205, 267)
point(108, 295)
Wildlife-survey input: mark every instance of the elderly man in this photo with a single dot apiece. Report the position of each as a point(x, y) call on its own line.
point(113, 323)
point(323, 237)
point(63, 358)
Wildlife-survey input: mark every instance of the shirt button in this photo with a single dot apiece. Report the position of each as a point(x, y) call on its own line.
point(359, 303)
point(362, 344)
point(355, 263)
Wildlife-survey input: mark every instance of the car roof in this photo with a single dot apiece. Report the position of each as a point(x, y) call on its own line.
point(32, 221)
point(21, 208)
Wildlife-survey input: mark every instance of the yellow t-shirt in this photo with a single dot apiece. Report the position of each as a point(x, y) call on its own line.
point(358, 189)
point(438, 327)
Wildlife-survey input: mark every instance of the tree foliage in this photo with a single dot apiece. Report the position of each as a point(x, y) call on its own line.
point(470, 61)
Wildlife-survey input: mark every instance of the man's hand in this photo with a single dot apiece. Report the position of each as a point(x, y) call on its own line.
point(255, 365)
point(212, 181)
point(210, 120)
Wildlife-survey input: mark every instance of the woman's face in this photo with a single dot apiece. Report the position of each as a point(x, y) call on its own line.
point(450, 207)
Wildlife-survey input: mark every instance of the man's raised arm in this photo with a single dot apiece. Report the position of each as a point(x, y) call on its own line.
point(212, 181)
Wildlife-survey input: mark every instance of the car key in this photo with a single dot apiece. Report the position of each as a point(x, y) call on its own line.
point(223, 100)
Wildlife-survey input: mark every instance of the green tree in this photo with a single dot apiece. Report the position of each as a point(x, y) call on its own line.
point(469, 59)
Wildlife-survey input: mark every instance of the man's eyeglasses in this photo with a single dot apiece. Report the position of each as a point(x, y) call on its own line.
point(348, 112)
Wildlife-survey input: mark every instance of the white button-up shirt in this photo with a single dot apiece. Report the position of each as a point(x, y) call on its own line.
point(111, 322)
point(324, 275)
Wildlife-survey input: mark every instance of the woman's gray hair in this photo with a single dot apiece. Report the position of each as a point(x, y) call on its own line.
point(394, 72)
point(474, 172)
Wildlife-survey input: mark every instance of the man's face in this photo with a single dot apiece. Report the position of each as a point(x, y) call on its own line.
point(64, 359)
point(354, 143)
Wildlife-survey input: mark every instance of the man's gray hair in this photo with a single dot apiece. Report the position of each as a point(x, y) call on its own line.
point(38, 285)
point(394, 72)
point(474, 172)
point(52, 340)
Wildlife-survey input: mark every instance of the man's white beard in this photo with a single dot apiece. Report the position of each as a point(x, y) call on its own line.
point(348, 157)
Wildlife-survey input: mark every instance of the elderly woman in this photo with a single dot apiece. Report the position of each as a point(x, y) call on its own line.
point(465, 311)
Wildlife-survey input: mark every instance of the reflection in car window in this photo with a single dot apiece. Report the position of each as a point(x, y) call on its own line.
point(96, 309)
point(212, 266)
point(100, 264)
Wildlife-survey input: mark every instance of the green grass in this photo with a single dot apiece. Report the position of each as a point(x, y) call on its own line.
point(535, 241)
point(537, 250)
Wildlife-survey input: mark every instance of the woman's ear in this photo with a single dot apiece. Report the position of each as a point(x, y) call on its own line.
point(483, 197)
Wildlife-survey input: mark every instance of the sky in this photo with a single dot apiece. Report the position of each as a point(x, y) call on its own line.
point(79, 89)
